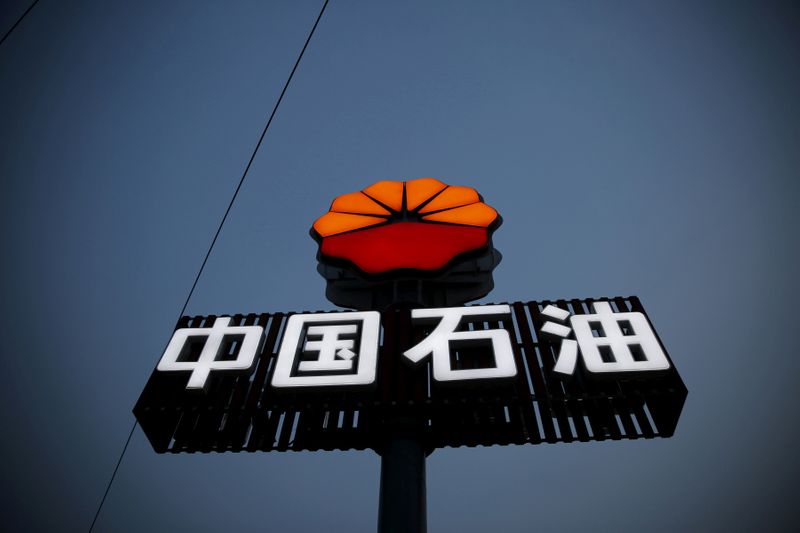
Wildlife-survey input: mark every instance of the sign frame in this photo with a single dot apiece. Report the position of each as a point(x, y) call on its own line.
point(245, 413)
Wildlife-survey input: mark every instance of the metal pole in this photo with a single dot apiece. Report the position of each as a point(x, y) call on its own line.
point(402, 500)
point(402, 506)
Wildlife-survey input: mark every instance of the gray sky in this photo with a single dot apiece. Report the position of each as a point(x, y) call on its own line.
point(646, 148)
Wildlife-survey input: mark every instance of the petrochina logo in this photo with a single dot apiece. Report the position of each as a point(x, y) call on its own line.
point(422, 224)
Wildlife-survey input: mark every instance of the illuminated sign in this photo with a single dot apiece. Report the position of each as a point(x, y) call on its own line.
point(221, 348)
point(407, 256)
point(483, 374)
point(440, 342)
point(322, 350)
point(609, 342)
point(330, 350)
point(421, 225)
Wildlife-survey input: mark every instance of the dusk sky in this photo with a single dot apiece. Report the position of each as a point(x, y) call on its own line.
point(632, 148)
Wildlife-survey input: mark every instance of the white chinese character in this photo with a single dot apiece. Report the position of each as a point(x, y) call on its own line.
point(209, 359)
point(320, 350)
point(608, 341)
point(438, 342)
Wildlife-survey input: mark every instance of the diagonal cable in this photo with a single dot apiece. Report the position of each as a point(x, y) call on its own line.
point(17, 22)
point(216, 235)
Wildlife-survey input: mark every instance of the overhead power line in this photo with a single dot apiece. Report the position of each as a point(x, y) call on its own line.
point(17, 22)
point(216, 234)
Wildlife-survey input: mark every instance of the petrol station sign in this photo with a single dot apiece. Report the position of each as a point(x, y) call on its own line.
point(408, 256)
point(409, 367)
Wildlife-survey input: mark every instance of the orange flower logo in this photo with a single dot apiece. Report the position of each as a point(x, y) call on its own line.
point(421, 224)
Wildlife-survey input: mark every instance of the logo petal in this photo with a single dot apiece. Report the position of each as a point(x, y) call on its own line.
point(389, 193)
point(335, 223)
point(419, 191)
point(478, 214)
point(453, 196)
point(358, 203)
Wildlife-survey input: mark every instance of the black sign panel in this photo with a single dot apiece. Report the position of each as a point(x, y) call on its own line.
point(245, 412)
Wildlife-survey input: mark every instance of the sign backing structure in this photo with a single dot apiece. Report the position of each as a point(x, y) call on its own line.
point(247, 412)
